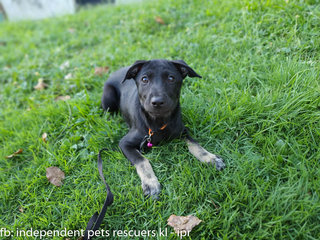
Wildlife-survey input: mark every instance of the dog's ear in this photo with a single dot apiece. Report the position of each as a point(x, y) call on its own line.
point(184, 69)
point(134, 69)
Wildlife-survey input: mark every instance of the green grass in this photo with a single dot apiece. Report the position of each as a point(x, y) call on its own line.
point(257, 105)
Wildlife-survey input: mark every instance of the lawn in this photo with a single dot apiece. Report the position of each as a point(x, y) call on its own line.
point(257, 106)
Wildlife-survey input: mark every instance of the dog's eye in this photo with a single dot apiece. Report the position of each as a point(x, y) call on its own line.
point(145, 79)
point(171, 79)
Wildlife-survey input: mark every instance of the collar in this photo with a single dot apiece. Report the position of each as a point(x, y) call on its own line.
point(151, 132)
point(147, 138)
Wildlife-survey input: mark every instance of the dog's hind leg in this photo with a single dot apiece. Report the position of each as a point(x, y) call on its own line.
point(110, 98)
point(203, 155)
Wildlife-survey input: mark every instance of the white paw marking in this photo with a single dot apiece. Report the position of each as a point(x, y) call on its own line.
point(149, 182)
point(204, 156)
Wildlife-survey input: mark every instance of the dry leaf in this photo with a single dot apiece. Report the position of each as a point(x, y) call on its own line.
point(159, 20)
point(40, 85)
point(20, 150)
point(44, 137)
point(72, 86)
point(68, 76)
point(64, 65)
point(55, 176)
point(71, 30)
point(182, 223)
point(101, 70)
point(62, 98)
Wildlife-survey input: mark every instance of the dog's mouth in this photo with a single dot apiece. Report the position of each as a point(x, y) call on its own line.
point(157, 114)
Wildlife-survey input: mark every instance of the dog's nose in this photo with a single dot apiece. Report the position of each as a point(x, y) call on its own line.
point(157, 101)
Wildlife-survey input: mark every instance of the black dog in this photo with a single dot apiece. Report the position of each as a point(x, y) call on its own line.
point(147, 94)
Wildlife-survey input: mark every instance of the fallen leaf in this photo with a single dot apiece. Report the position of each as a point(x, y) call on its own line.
point(21, 209)
point(72, 86)
point(71, 30)
point(55, 176)
point(62, 98)
point(68, 76)
point(44, 137)
point(41, 85)
point(64, 65)
point(20, 150)
point(159, 20)
point(101, 70)
point(182, 223)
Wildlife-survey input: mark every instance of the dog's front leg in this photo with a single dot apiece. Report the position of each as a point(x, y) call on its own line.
point(203, 155)
point(129, 145)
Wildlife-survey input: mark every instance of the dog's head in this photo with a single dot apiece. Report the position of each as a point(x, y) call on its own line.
point(159, 83)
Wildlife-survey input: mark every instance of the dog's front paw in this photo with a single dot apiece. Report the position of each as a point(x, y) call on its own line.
point(212, 159)
point(151, 187)
point(203, 155)
point(218, 162)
